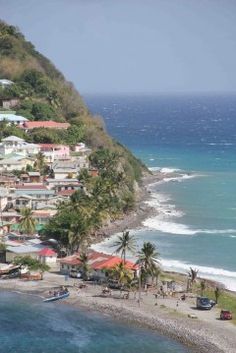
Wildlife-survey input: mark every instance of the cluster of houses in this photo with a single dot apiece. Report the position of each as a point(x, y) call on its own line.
point(22, 185)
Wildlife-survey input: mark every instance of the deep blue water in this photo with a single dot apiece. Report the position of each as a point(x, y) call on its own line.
point(196, 134)
point(30, 326)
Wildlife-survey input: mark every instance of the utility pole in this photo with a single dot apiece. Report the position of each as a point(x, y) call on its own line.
point(139, 285)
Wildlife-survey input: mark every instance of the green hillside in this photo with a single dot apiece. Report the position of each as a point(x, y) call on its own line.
point(44, 94)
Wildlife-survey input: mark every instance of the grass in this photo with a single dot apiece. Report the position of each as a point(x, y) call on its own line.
point(226, 301)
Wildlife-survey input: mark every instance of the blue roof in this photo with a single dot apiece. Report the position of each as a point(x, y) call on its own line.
point(34, 192)
point(12, 117)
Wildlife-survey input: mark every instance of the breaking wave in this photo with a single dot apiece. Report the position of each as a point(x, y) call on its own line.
point(228, 278)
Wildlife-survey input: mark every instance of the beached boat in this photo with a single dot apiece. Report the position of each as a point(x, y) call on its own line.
point(58, 296)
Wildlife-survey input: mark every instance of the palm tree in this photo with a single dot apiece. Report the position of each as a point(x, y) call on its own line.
point(40, 162)
point(121, 274)
point(125, 242)
point(192, 276)
point(84, 265)
point(27, 222)
point(148, 260)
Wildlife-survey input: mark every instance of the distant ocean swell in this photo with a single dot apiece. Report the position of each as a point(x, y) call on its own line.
point(164, 223)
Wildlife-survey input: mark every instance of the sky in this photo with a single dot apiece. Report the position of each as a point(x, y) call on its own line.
point(133, 46)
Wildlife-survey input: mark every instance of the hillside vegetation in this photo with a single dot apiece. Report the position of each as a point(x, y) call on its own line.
point(44, 94)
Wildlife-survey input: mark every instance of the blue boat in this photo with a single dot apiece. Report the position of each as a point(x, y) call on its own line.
point(57, 297)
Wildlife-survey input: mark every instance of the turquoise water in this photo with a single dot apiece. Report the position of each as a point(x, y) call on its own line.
point(196, 135)
point(28, 325)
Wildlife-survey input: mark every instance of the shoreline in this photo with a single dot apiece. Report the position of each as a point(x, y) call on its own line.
point(133, 221)
point(199, 335)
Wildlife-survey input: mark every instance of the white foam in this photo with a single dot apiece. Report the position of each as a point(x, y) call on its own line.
point(228, 278)
point(164, 226)
point(169, 170)
point(154, 169)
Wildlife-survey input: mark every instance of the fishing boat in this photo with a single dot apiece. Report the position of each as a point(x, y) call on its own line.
point(57, 296)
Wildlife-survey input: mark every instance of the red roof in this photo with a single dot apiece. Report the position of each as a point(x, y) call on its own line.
point(66, 192)
point(98, 261)
point(46, 124)
point(47, 252)
point(31, 187)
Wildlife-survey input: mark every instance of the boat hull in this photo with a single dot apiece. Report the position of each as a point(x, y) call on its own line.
point(53, 299)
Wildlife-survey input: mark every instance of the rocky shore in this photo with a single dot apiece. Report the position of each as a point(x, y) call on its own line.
point(204, 334)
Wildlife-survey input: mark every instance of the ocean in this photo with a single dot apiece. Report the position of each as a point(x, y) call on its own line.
point(28, 325)
point(194, 135)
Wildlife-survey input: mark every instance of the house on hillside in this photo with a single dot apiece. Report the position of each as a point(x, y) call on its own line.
point(47, 124)
point(12, 118)
point(53, 151)
point(98, 263)
point(65, 169)
point(14, 144)
point(43, 216)
point(31, 177)
point(8, 181)
point(16, 163)
point(4, 82)
point(8, 103)
point(29, 195)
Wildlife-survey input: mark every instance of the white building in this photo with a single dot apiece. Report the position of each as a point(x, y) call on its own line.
point(18, 163)
point(12, 118)
point(4, 82)
point(14, 144)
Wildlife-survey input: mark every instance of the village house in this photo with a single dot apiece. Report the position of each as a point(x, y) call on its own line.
point(12, 118)
point(43, 216)
point(25, 249)
point(30, 125)
point(10, 216)
point(54, 151)
point(31, 177)
point(16, 163)
point(98, 263)
point(8, 180)
point(65, 169)
point(14, 144)
point(4, 82)
point(47, 256)
point(8, 103)
point(29, 195)
point(63, 184)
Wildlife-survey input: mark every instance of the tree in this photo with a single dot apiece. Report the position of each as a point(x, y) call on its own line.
point(125, 243)
point(192, 276)
point(2, 247)
point(40, 164)
point(217, 292)
point(27, 222)
point(203, 287)
point(148, 261)
point(121, 274)
point(84, 265)
point(31, 263)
